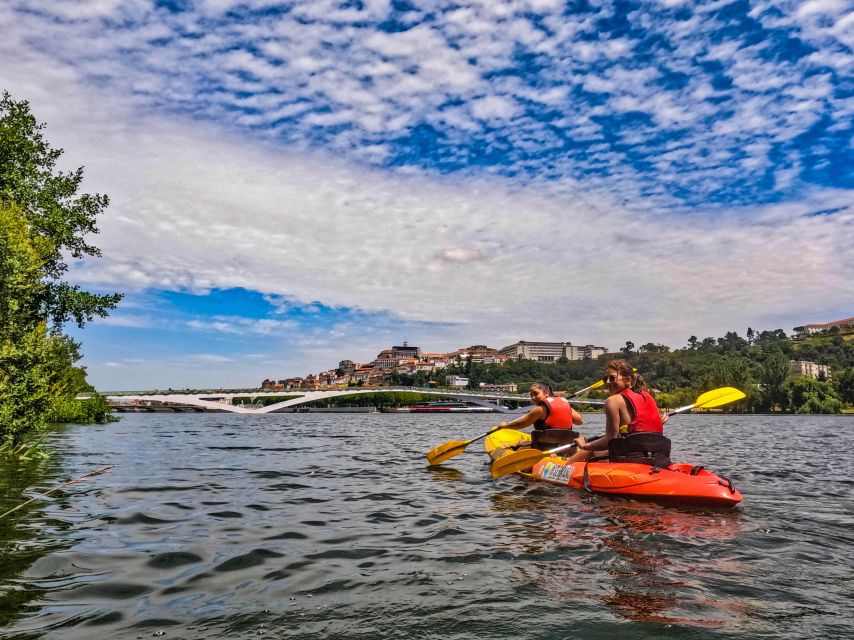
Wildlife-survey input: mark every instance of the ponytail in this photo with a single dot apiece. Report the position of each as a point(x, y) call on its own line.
point(547, 388)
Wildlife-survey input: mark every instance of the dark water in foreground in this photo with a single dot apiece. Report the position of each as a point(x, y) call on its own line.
point(331, 526)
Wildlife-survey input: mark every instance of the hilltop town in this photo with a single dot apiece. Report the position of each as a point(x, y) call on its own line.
point(405, 360)
point(811, 369)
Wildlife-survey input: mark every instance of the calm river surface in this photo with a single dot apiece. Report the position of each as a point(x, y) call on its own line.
point(332, 526)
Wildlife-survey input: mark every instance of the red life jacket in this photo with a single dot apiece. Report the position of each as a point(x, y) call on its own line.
point(646, 417)
point(558, 414)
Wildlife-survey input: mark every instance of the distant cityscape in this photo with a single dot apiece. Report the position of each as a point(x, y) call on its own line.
point(410, 360)
point(406, 360)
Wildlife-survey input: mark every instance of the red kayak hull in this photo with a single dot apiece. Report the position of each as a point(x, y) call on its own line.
point(682, 483)
point(679, 483)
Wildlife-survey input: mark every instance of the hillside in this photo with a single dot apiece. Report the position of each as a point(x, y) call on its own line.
point(757, 364)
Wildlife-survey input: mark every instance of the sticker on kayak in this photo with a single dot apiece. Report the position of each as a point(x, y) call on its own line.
point(556, 472)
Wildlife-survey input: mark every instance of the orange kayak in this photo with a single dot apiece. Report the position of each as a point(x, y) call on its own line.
point(680, 482)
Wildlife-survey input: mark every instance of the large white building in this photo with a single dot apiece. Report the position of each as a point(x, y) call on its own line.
point(808, 368)
point(551, 351)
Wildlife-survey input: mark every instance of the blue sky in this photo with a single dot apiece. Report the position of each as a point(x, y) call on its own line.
point(297, 182)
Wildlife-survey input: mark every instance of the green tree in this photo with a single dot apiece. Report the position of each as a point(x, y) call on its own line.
point(775, 371)
point(845, 386)
point(808, 395)
point(43, 220)
point(50, 202)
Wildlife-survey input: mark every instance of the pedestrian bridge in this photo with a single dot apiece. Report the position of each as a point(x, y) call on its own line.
point(224, 402)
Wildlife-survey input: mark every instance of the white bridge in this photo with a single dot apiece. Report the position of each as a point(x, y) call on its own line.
point(224, 402)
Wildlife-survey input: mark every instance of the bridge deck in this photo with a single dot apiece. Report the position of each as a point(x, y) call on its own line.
point(223, 402)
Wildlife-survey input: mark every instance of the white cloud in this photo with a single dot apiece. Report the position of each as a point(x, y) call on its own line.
point(240, 326)
point(821, 6)
point(210, 357)
point(121, 319)
point(493, 107)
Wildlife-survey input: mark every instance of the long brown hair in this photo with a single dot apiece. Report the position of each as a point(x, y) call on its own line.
point(636, 381)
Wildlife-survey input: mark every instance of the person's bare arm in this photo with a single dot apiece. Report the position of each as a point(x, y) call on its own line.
point(521, 422)
point(613, 418)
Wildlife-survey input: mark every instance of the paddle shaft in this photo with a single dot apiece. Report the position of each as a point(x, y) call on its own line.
point(483, 435)
point(687, 407)
point(595, 385)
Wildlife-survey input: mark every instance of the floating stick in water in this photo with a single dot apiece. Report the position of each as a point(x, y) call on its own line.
point(91, 474)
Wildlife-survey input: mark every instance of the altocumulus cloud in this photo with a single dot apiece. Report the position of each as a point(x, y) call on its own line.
point(656, 166)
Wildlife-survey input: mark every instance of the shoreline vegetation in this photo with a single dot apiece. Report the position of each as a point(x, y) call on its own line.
point(44, 222)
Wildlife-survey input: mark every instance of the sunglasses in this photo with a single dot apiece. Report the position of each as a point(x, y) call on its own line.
point(611, 378)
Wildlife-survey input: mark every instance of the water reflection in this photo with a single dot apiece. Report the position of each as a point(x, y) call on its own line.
point(445, 474)
point(657, 559)
point(23, 540)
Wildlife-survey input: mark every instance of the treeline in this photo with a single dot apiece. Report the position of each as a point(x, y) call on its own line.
point(758, 364)
point(43, 221)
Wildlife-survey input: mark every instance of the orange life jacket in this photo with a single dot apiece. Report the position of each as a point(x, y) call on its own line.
point(558, 414)
point(646, 417)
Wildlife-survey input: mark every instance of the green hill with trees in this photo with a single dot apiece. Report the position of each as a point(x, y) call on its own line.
point(758, 364)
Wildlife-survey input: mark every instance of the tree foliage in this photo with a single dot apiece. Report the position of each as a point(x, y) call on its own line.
point(56, 213)
point(42, 220)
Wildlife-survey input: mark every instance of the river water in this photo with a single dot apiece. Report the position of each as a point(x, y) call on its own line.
point(332, 526)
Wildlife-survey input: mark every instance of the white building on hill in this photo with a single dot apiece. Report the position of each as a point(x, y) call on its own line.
point(551, 351)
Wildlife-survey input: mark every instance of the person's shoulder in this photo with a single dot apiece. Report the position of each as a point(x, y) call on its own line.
point(615, 400)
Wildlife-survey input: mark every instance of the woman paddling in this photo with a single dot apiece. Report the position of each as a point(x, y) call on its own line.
point(552, 416)
point(634, 427)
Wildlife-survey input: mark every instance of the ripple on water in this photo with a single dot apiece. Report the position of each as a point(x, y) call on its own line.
point(173, 559)
point(226, 514)
point(108, 590)
point(245, 561)
point(142, 518)
point(288, 535)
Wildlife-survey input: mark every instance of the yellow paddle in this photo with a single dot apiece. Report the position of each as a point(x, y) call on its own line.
point(448, 450)
point(521, 460)
point(595, 385)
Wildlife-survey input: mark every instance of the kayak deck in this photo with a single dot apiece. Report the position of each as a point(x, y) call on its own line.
point(680, 482)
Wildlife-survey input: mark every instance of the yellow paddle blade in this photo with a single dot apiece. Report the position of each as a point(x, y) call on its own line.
point(596, 384)
point(718, 397)
point(447, 451)
point(516, 461)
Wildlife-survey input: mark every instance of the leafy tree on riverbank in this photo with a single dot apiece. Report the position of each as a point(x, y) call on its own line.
point(42, 220)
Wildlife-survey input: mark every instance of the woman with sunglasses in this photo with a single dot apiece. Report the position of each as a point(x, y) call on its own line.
point(552, 416)
point(634, 427)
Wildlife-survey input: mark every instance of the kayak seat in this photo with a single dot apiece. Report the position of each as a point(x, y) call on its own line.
point(644, 448)
point(545, 439)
